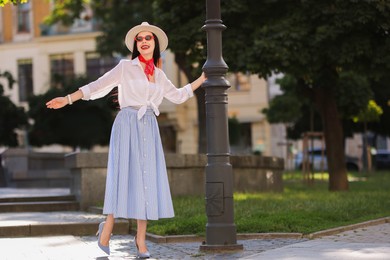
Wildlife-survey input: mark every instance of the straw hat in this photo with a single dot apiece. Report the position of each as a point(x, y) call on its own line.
point(162, 37)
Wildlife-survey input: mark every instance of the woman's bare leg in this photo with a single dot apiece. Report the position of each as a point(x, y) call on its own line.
point(141, 235)
point(107, 230)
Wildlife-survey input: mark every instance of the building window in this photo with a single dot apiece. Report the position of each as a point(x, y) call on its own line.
point(239, 81)
point(240, 137)
point(23, 14)
point(97, 65)
point(61, 68)
point(25, 79)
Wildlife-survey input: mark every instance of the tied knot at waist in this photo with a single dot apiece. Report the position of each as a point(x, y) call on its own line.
point(144, 108)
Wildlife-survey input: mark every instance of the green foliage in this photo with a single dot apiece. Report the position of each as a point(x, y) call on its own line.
point(10, 80)
point(11, 116)
point(381, 91)
point(285, 108)
point(66, 11)
point(115, 18)
point(182, 21)
point(311, 39)
point(293, 109)
point(15, 2)
point(190, 218)
point(353, 93)
point(370, 114)
point(82, 124)
point(292, 106)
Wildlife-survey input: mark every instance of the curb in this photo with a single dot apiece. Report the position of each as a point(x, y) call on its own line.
point(173, 239)
point(54, 229)
point(334, 231)
point(194, 238)
point(247, 236)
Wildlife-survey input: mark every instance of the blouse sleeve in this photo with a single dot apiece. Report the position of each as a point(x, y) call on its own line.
point(176, 95)
point(103, 85)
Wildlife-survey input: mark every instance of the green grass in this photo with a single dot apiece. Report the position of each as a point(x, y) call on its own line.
point(300, 208)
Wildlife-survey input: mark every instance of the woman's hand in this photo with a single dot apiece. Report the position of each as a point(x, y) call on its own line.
point(57, 103)
point(198, 82)
point(203, 77)
point(60, 102)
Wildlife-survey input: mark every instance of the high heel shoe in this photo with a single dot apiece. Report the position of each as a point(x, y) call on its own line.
point(106, 249)
point(139, 254)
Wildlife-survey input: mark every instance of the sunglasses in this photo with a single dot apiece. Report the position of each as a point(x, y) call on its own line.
point(141, 38)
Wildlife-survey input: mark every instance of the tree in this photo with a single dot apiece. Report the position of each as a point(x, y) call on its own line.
point(11, 116)
point(293, 108)
point(318, 43)
point(82, 124)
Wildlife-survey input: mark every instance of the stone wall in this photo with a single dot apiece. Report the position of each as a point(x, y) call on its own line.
point(185, 173)
point(23, 168)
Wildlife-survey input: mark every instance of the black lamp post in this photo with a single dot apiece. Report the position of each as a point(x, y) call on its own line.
point(220, 228)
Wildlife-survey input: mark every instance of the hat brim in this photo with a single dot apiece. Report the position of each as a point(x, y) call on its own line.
point(162, 37)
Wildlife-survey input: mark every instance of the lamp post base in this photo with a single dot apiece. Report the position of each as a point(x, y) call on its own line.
point(221, 248)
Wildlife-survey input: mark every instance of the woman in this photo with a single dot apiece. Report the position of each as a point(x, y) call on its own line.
point(137, 185)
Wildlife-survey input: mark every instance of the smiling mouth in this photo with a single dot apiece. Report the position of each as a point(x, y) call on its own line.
point(144, 47)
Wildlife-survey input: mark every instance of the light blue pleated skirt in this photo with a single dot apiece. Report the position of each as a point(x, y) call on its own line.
point(137, 185)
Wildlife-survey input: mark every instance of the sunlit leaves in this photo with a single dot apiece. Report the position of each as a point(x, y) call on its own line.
point(370, 113)
point(15, 2)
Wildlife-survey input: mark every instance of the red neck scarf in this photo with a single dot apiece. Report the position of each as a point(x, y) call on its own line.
point(149, 65)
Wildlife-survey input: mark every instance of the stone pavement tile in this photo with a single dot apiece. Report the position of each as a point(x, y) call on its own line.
point(372, 242)
point(250, 247)
point(371, 234)
point(64, 247)
point(122, 247)
point(325, 250)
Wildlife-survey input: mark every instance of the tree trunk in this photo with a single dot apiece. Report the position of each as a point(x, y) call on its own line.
point(333, 132)
point(200, 98)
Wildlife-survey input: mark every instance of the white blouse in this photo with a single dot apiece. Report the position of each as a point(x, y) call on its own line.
point(152, 89)
point(134, 88)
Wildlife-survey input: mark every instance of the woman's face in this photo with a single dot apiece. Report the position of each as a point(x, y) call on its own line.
point(145, 43)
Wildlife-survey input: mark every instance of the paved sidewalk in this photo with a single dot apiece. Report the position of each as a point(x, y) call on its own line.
point(364, 243)
point(372, 242)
